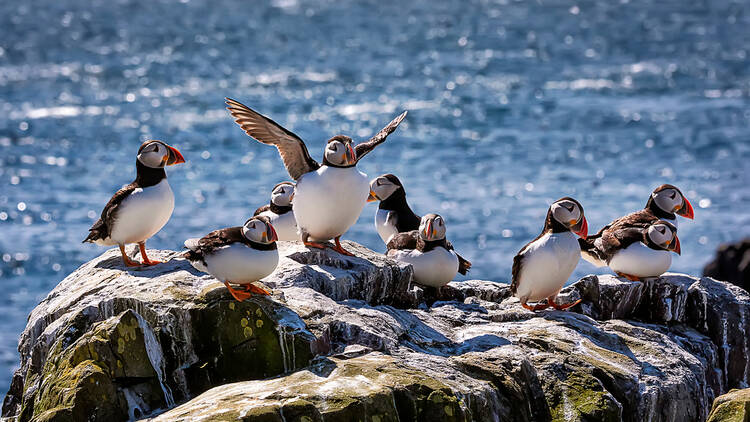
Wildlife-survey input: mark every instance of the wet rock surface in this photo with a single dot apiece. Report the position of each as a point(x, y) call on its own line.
point(351, 339)
point(733, 406)
point(731, 263)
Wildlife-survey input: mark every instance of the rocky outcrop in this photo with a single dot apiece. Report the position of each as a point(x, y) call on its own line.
point(349, 338)
point(731, 407)
point(732, 264)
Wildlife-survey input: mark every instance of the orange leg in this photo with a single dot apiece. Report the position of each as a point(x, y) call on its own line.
point(338, 248)
point(146, 261)
point(241, 296)
point(126, 259)
point(252, 288)
point(537, 307)
point(551, 301)
point(628, 276)
point(315, 245)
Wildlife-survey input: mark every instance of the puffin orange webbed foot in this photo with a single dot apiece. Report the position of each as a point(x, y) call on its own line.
point(629, 277)
point(252, 288)
point(126, 259)
point(551, 301)
point(241, 296)
point(146, 260)
point(537, 307)
point(315, 245)
point(340, 249)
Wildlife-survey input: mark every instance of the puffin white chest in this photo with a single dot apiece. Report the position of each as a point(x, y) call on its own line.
point(436, 267)
point(385, 226)
point(284, 224)
point(546, 265)
point(143, 213)
point(240, 264)
point(329, 200)
point(641, 261)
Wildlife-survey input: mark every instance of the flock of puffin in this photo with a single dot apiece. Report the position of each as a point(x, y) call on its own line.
point(326, 199)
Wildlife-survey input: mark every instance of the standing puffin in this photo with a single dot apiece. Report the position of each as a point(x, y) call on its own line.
point(633, 252)
point(279, 211)
point(239, 255)
point(329, 197)
point(394, 215)
point(434, 261)
point(139, 210)
point(541, 268)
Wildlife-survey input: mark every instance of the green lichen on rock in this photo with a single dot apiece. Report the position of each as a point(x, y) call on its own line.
point(82, 381)
point(731, 407)
point(581, 397)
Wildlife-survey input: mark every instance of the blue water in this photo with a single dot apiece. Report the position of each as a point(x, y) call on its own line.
point(512, 105)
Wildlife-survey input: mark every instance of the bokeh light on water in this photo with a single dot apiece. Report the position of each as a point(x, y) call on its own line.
point(512, 105)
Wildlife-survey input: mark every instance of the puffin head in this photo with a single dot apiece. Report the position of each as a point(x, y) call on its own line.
point(569, 212)
point(664, 235)
point(339, 152)
point(157, 154)
point(259, 230)
point(432, 227)
point(669, 199)
point(382, 187)
point(282, 194)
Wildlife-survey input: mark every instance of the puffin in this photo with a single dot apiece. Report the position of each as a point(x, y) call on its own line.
point(140, 209)
point(394, 214)
point(279, 211)
point(542, 266)
point(434, 261)
point(328, 197)
point(633, 252)
point(240, 255)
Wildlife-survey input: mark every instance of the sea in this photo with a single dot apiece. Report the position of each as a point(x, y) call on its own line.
point(512, 104)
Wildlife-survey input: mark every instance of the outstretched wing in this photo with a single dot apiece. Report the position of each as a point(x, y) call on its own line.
point(365, 147)
point(292, 149)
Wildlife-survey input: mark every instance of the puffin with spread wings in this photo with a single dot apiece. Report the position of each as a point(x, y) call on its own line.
point(329, 197)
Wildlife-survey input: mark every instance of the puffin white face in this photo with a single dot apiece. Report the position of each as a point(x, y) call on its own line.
point(259, 230)
point(671, 200)
point(664, 235)
point(339, 152)
point(432, 227)
point(157, 154)
point(381, 188)
point(569, 213)
point(282, 194)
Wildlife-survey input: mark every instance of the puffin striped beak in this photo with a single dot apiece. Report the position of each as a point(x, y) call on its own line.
point(686, 210)
point(174, 156)
point(350, 155)
point(429, 232)
point(270, 234)
point(373, 197)
point(674, 245)
point(581, 228)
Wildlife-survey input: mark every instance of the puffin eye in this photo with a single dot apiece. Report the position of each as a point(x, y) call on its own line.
point(672, 196)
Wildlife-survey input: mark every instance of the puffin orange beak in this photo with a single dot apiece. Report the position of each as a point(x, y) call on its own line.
point(582, 228)
point(686, 210)
point(270, 234)
point(373, 197)
point(351, 156)
point(428, 230)
point(174, 156)
point(675, 245)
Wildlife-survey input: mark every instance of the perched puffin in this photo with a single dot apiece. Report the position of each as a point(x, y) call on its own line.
point(329, 197)
point(239, 255)
point(279, 211)
point(542, 266)
point(139, 210)
point(394, 215)
point(633, 252)
point(434, 261)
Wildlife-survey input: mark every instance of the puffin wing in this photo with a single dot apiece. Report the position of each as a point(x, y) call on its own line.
point(102, 227)
point(403, 241)
point(464, 265)
point(198, 249)
point(264, 208)
point(515, 271)
point(362, 149)
point(292, 149)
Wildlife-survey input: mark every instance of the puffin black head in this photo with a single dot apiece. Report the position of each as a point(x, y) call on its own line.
point(669, 200)
point(259, 230)
point(282, 194)
point(382, 187)
point(568, 213)
point(432, 227)
point(157, 154)
point(663, 235)
point(339, 152)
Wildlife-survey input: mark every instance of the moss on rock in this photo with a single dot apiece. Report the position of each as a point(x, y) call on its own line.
point(731, 407)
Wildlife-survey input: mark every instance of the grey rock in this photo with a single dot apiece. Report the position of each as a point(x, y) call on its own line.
point(731, 264)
